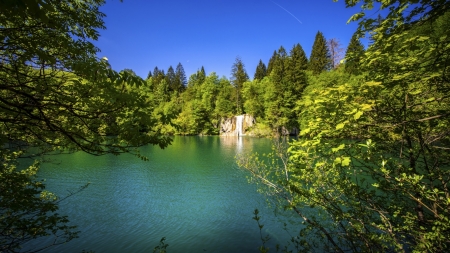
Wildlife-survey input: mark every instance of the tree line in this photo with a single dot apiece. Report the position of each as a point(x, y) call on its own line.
point(370, 169)
point(197, 105)
point(369, 173)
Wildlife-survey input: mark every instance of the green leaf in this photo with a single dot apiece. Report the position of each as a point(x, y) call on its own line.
point(338, 148)
point(346, 161)
point(358, 115)
point(340, 126)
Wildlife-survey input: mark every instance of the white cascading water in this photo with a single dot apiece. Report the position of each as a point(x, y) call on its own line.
point(239, 125)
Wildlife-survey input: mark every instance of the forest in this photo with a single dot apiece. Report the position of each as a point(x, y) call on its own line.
point(372, 158)
point(198, 105)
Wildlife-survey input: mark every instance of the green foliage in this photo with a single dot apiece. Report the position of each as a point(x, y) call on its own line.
point(56, 95)
point(162, 247)
point(180, 81)
point(27, 210)
point(238, 78)
point(299, 57)
point(204, 104)
point(261, 71)
point(370, 172)
point(262, 248)
point(353, 55)
point(271, 62)
point(253, 92)
point(320, 56)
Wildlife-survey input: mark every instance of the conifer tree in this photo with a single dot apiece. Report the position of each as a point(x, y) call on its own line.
point(203, 71)
point(299, 57)
point(295, 69)
point(320, 56)
point(201, 75)
point(271, 61)
point(181, 80)
point(238, 78)
point(261, 70)
point(155, 71)
point(278, 69)
point(158, 76)
point(353, 55)
point(171, 77)
point(149, 75)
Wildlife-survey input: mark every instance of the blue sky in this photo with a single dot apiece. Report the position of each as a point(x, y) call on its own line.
point(142, 34)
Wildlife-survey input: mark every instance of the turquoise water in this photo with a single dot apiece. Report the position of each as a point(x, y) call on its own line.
point(192, 193)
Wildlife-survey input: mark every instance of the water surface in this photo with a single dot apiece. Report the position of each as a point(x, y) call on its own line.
point(192, 193)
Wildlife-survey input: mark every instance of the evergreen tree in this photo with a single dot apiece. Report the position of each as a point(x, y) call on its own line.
point(181, 81)
point(299, 57)
point(155, 71)
point(197, 78)
point(171, 79)
point(261, 70)
point(203, 71)
point(353, 55)
point(320, 56)
point(158, 76)
point(271, 61)
point(295, 70)
point(238, 78)
point(149, 75)
point(278, 69)
point(201, 75)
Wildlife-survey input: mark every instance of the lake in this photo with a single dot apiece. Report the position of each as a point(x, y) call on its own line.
point(192, 193)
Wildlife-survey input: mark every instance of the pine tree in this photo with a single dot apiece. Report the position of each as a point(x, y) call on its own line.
point(171, 79)
point(320, 56)
point(299, 57)
point(203, 71)
point(353, 55)
point(181, 80)
point(295, 69)
point(278, 69)
point(271, 61)
point(158, 76)
point(201, 75)
point(149, 75)
point(155, 71)
point(261, 71)
point(238, 78)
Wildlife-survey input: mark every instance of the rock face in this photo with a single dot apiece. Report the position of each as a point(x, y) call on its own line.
point(228, 125)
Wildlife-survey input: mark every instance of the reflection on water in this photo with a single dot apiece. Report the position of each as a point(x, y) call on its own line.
point(192, 193)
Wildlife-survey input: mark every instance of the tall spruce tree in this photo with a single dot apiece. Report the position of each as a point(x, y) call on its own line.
point(320, 56)
point(171, 79)
point(299, 57)
point(181, 80)
point(202, 75)
point(278, 69)
point(261, 71)
point(295, 69)
point(238, 78)
point(271, 61)
point(155, 71)
point(353, 55)
point(158, 76)
point(149, 75)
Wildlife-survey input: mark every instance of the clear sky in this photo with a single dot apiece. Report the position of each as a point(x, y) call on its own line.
point(142, 34)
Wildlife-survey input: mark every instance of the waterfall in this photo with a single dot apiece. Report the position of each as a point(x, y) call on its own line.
point(239, 125)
